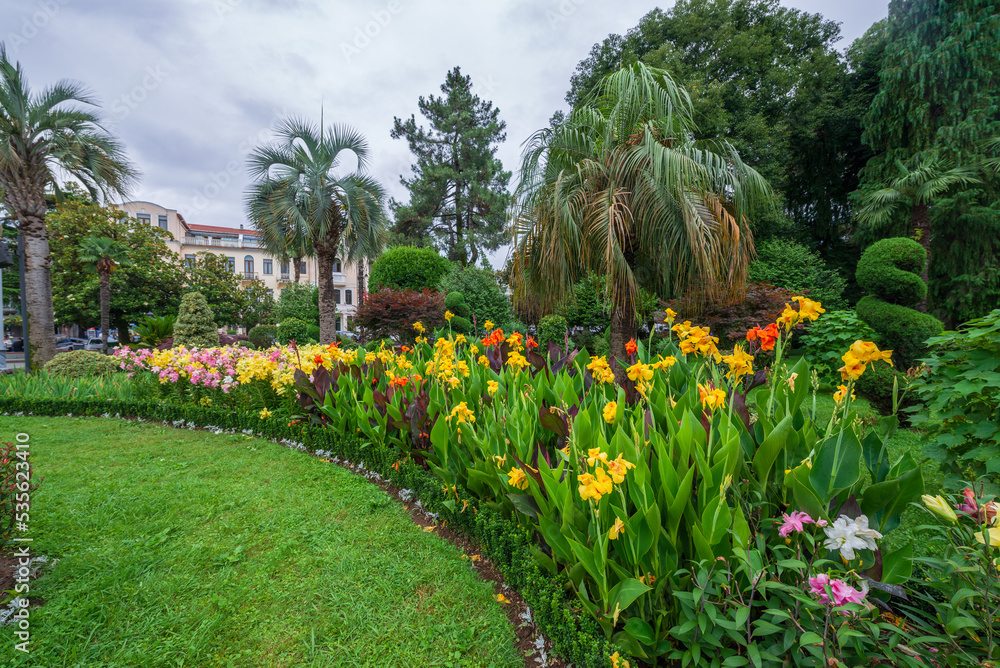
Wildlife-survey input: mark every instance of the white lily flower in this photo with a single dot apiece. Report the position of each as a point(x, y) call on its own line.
point(848, 535)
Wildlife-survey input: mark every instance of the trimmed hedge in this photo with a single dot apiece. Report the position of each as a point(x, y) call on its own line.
point(82, 363)
point(408, 268)
point(578, 640)
point(292, 329)
point(903, 330)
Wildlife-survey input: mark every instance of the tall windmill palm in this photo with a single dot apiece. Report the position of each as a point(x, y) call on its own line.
point(619, 189)
point(40, 134)
point(298, 187)
point(916, 189)
point(105, 256)
point(285, 239)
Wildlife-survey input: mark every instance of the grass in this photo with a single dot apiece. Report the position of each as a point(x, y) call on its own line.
point(184, 548)
point(117, 386)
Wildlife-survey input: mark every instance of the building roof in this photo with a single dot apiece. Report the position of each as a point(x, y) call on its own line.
point(213, 229)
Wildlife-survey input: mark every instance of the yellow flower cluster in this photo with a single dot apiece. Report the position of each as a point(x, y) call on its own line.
point(698, 340)
point(711, 397)
point(594, 486)
point(461, 414)
point(841, 392)
point(740, 363)
point(600, 369)
point(857, 358)
point(516, 478)
point(516, 360)
point(808, 310)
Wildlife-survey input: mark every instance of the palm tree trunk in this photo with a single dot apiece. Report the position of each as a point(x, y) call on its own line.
point(325, 255)
point(37, 282)
point(921, 220)
point(361, 281)
point(623, 329)
point(105, 279)
point(297, 268)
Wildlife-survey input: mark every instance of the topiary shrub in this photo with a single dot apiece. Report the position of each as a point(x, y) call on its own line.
point(263, 336)
point(81, 363)
point(408, 268)
point(552, 328)
point(482, 293)
point(455, 302)
point(889, 270)
point(875, 385)
point(788, 264)
point(292, 329)
point(195, 324)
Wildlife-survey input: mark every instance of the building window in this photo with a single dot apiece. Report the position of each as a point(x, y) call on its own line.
point(232, 264)
point(348, 298)
point(268, 267)
point(142, 218)
point(284, 269)
point(336, 266)
point(338, 323)
point(302, 268)
point(188, 260)
point(163, 221)
point(336, 296)
point(248, 265)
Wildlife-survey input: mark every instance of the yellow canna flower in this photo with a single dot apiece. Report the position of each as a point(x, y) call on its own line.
point(940, 507)
point(483, 360)
point(474, 349)
point(419, 326)
point(448, 315)
point(671, 314)
point(711, 398)
point(595, 486)
point(639, 372)
point(501, 598)
point(516, 359)
point(740, 363)
point(595, 455)
point(610, 409)
point(618, 527)
point(461, 412)
point(808, 309)
point(488, 324)
point(853, 367)
point(841, 392)
point(492, 387)
point(663, 363)
point(789, 317)
point(618, 467)
point(517, 478)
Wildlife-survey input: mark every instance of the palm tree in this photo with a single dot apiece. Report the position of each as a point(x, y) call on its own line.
point(105, 255)
point(284, 239)
point(298, 189)
point(620, 189)
point(916, 189)
point(41, 133)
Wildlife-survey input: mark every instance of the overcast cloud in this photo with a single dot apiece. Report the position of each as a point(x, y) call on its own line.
point(190, 86)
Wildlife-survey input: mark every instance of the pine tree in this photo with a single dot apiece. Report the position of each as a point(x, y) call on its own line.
point(458, 194)
point(195, 325)
point(939, 100)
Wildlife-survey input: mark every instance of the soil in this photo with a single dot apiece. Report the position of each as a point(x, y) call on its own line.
point(9, 563)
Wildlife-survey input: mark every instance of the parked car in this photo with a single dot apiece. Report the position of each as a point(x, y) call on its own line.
point(63, 345)
point(348, 335)
point(95, 344)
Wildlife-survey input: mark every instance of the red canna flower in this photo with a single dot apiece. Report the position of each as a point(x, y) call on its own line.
point(318, 360)
point(631, 347)
point(767, 336)
point(532, 343)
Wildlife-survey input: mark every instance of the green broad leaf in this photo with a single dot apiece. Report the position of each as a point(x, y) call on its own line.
point(586, 557)
point(897, 566)
point(810, 638)
point(526, 504)
point(556, 540)
point(963, 594)
point(837, 465)
point(959, 623)
point(624, 594)
point(754, 652)
point(735, 661)
point(803, 493)
point(716, 519)
point(640, 630)
point(774, 443)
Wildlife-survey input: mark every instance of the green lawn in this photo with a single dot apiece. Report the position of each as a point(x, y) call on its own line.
point(184, 548)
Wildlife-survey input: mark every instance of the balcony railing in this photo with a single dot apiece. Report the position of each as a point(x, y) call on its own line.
point(284, 277)
point(339, 278)
point(208, 241)
point(248, 275)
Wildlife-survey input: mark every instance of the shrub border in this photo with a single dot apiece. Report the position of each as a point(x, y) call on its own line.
point(574, 638)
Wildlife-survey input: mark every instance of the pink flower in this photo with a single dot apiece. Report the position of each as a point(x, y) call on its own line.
point(969, 506)
point(843, 593)
point(794, 522)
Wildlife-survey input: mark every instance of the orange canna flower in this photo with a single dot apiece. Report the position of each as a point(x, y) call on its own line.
point(767, 336)
point(631, 347)
point(532, 343)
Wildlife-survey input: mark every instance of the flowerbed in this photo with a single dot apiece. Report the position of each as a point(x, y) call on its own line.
point(688, 524)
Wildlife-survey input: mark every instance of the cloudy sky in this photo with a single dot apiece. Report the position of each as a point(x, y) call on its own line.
point(190, 86)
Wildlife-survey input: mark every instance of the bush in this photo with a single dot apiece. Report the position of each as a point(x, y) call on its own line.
point(888, 270)
point(195, 325)
point(789, 264)
point(455, 302)
point(552, 328)
point(300, 301)
point(312, 333)
point(263, 336)
point(960, 391)
point(762, 303)
point(482, 294)
point(389, 313)
point(81, 363)
point(587, 308)
point(292, 329)
point(876, 385)
point(825, 341)
point(155, 329)
point(408, 268)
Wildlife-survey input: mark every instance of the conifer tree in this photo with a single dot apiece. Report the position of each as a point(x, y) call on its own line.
point(195, 325)
point(458, 193)
point(939, 101)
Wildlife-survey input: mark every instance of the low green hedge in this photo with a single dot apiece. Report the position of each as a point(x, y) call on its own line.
point(576, 639)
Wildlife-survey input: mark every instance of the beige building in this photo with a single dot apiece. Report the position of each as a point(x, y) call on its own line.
point(246, 257)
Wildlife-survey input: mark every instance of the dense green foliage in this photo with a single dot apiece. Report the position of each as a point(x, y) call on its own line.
point(482, 294)
point(824, 341)
point(298, 300)
point(195, 325)
point(458, 193)
point(156, 328)
point(408, 268)
point(292, 329)
point(939, 97)
point(552, 328)
point(960, 391)
point(212, 276)
point(789, 264)
point(81, 363)
point(455, 303)
point(263, 336)
point(588, 307)
point(889, 271)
